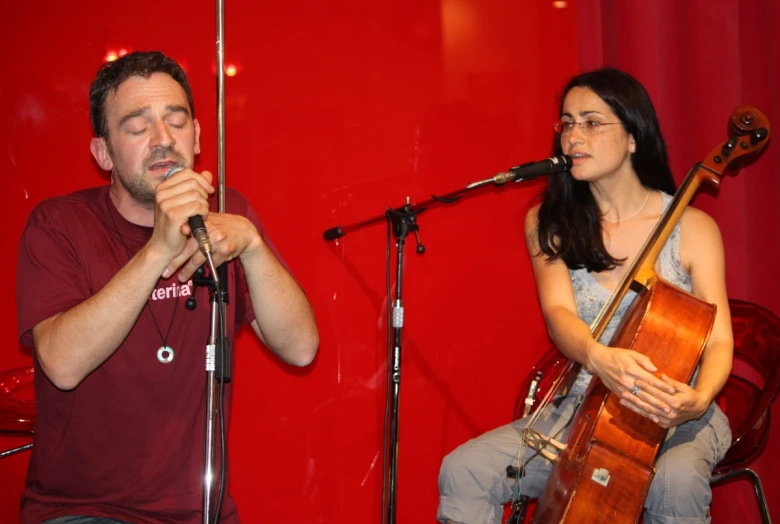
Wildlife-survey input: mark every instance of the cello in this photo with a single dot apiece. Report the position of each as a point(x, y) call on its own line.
point(603, 472)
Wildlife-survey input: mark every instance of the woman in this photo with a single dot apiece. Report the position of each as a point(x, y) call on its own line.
point(582, 238)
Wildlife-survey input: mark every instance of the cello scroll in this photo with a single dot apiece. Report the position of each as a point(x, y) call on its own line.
point(749, 132)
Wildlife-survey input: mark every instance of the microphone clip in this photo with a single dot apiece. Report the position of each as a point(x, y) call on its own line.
point(404, 221)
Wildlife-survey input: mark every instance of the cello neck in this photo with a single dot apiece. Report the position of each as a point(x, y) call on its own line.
point(749, 132)
point(642, 272)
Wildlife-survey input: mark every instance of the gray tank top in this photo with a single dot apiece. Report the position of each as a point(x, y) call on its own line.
point(591, 296)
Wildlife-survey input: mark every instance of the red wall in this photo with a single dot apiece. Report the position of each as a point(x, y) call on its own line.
point(338, 110)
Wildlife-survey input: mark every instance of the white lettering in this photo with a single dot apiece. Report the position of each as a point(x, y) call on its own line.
point(172, 291)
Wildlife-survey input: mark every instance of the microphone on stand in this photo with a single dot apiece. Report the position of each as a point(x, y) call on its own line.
point(196, 222)
point(527, 171)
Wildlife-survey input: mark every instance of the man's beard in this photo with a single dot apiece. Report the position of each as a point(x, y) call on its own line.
point(138, 186)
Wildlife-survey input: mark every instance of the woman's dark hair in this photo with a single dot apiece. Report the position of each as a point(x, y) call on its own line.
point(111, 75)
point(570, 221)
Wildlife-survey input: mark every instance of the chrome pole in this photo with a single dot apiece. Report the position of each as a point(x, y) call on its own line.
point(211, 382)
point(220, 106)
point(211, 417)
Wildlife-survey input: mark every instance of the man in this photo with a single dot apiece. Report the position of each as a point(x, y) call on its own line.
point(119, 360)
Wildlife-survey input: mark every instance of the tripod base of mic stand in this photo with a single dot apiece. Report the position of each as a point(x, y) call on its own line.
point(519, 507)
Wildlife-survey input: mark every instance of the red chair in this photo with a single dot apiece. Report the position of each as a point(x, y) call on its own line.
point(746, 399)
point(749, 393)
point(17, 405)
point(547, 370)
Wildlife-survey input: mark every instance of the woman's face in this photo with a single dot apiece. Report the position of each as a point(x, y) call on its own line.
point(594, 137)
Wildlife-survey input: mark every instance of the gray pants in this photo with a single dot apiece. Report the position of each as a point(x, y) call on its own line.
point(473, 484)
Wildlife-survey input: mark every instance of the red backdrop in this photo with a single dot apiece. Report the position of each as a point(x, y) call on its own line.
point(341, 108)
point(699, 60)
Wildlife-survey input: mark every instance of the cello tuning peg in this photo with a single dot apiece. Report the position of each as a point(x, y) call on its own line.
point(729, 146)
point(758, 135)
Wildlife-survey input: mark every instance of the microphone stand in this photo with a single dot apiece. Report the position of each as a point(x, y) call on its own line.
point(403, 221)
point(218, 363)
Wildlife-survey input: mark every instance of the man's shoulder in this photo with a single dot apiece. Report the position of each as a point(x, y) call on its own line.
point(71, 205)
point(234, 196)
point(237, 204)
point(81, 198)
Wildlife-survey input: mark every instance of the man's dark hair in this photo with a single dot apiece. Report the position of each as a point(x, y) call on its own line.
point(111, 75)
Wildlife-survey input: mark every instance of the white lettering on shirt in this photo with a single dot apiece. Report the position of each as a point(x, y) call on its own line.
point(172, 291)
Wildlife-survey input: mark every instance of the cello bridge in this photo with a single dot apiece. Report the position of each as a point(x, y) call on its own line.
point(540, 443)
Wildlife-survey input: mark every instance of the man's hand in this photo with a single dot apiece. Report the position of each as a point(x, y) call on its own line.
point(231, 236)
point(178, 198)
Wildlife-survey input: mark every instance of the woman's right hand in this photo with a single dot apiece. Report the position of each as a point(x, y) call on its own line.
point(620, 369)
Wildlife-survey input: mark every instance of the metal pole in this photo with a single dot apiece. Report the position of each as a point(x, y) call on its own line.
point(211, 416)
point(220, 106)
point(211, 384)
point(398, 323)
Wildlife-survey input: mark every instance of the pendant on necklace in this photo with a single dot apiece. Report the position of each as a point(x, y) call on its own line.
point(165, 355)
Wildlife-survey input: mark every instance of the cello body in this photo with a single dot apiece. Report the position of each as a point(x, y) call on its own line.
point(605, 473)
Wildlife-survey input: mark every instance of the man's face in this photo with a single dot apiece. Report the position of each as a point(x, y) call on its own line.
point(150, 129)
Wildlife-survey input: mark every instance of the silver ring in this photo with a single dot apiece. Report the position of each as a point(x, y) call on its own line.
point(635, 390)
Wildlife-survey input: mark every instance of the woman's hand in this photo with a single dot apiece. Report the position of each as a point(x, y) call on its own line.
point(629, 374)
point(666, 409)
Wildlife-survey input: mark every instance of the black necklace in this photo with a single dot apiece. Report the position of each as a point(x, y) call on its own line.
point(165, 354)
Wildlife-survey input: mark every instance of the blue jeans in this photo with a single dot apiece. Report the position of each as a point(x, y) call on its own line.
point(473, 484)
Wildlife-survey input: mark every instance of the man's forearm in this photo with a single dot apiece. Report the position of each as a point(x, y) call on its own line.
point(284, 318)
point(70, 345)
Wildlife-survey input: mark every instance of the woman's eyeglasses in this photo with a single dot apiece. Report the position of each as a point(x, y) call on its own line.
point(588, 127)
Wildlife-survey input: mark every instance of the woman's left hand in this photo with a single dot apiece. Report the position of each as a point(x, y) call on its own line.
point(666, 410)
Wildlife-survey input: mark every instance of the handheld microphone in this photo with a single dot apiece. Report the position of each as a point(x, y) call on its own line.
point(527, 171)
point(195, 222)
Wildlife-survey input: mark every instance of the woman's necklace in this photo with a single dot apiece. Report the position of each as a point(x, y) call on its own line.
point(635, 213)
point(165, 354)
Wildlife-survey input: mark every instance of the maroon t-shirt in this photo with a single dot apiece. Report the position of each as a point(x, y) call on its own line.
point(127, 442)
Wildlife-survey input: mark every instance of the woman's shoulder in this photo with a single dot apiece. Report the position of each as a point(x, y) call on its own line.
point(532, 217)
point(700, 239)
point(531, 227)
point(698, 222)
